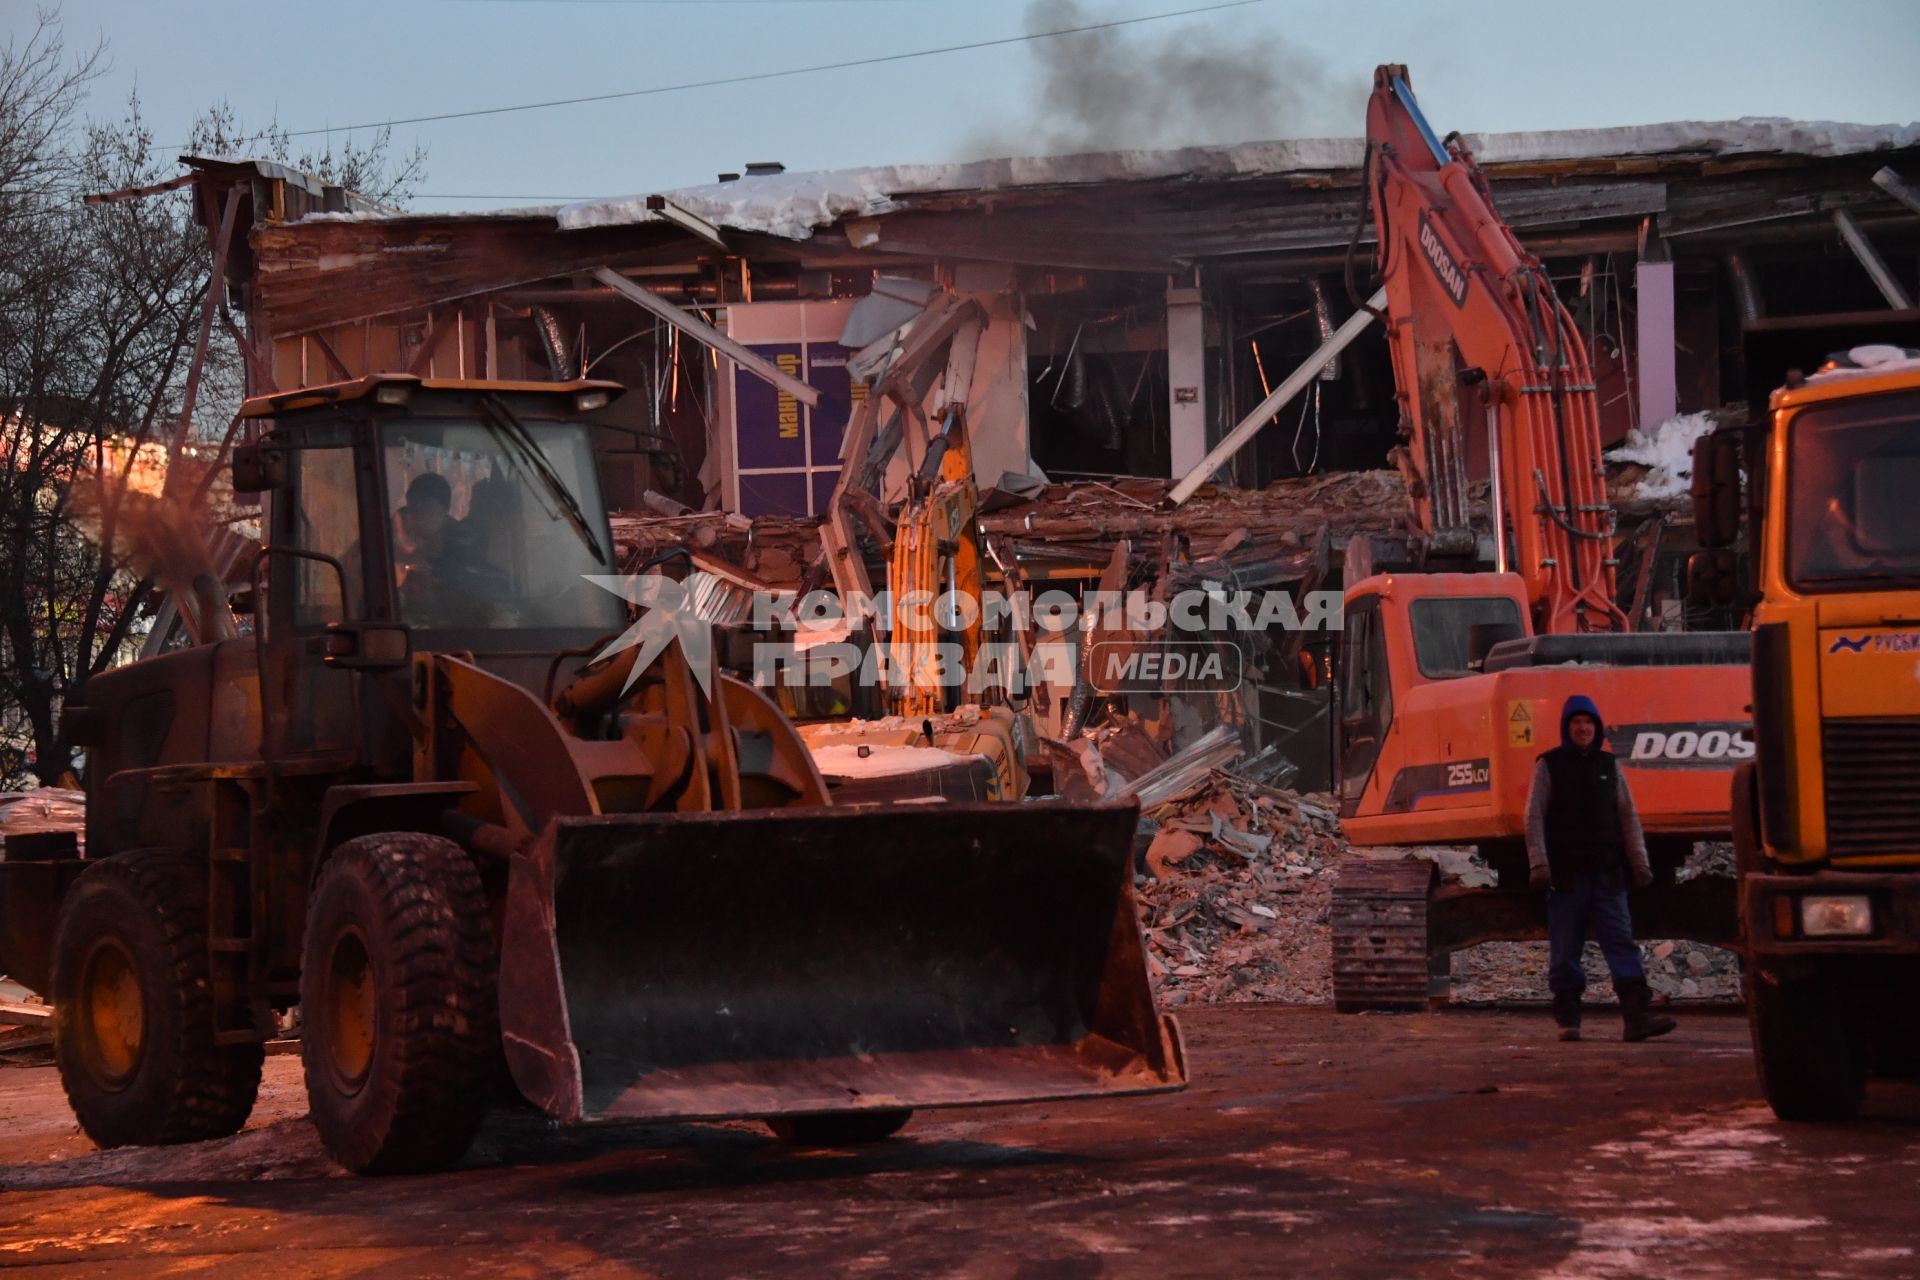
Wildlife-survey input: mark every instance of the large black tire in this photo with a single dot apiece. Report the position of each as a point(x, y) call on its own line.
point(1810, 1069)
point(839, 1128)
point(133, 1017)
point(398, 1003)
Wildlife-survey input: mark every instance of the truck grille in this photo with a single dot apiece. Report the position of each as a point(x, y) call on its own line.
point(1873, 785)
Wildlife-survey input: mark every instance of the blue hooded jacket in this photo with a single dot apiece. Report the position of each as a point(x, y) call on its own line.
point(1580, 815)
point(1581, 705)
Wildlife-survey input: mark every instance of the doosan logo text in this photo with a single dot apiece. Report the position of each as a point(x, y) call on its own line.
point(1685, 746)
point(1452, 278)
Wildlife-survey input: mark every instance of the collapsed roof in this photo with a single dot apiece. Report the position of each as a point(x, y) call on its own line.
point(796, 205)
point(1292, 204)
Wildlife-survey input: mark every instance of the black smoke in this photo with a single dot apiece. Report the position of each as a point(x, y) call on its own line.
point(1216, 79)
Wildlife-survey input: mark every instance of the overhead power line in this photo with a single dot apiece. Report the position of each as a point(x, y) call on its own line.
point(693, 3)
point(755, 76)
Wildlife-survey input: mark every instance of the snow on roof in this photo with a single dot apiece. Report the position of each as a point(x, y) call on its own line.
point(795, 205)
point(1865, 362)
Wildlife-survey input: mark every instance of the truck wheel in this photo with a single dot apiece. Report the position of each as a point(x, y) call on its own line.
point(1808, 1066)
point(397, 1003)
point(133, 1017)
point(839, 1128)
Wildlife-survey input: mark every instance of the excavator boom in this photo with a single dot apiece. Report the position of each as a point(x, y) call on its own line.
point(1493, 377)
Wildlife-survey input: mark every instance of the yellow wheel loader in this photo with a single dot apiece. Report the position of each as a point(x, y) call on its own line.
point(445, 801)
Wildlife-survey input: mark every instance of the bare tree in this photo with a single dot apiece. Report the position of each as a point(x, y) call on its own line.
point(100, 314)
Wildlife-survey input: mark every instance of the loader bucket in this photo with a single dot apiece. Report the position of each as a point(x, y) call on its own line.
point(786, 962)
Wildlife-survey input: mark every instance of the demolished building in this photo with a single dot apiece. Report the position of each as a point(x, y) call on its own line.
point(1129, 311)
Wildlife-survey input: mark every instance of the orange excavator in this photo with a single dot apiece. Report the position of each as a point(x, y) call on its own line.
point(1460, 644)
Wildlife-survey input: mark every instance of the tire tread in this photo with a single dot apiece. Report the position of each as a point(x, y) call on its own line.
point(1809, 1069)
point(434, 916)
point(214, 1091)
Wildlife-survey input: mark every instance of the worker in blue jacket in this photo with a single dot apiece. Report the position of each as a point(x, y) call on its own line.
point(1584, 842)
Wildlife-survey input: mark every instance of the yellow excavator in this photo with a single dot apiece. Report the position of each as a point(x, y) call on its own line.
point(968, 739)
point(452, 803)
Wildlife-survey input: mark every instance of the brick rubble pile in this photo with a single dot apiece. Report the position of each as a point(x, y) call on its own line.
point(1234, 894)
point(1234, 885)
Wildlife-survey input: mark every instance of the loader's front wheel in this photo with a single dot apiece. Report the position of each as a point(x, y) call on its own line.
point(133, 1016)
point(397, 1002)
point(839, 1128)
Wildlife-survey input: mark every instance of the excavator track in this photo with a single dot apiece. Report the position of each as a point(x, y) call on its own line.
point(1379, 918)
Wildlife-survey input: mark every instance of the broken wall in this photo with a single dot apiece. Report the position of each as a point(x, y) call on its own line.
point(778, 457)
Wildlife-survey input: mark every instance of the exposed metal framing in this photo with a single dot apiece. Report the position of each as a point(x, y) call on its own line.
point(1883, 277)
point(689, 221)
point(1896, 186)
point(1263, 412)
point(698, 329)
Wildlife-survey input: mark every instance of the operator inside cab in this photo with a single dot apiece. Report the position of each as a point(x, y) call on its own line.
point(440, 564)
point(497, 527)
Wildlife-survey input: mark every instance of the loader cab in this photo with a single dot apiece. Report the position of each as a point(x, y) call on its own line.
point(468, 512)
point(416, 515)
point(1405, 630)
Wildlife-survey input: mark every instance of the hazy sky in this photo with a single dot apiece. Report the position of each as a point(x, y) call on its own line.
point(1280, 68)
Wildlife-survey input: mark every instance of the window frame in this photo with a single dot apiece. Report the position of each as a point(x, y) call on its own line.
point(461, 413)
point(1836, 413)
point(1417, 608)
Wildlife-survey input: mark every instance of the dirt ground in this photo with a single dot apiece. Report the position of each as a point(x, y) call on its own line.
point(1454, 1144)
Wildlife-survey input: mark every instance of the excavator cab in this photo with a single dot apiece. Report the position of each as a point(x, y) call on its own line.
point(1403, 632)
point(456, 801)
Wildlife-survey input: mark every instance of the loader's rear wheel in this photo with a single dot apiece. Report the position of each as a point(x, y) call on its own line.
point(839, 1128)
point(1810, 1069)
point(133, 1017)
point(397, 1003)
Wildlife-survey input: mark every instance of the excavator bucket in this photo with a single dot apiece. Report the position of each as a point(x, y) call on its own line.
point(834, 959)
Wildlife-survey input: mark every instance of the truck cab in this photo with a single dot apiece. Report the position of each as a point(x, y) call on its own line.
point(1827, 817)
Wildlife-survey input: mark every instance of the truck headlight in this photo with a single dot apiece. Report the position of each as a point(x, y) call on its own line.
point(1848, 915)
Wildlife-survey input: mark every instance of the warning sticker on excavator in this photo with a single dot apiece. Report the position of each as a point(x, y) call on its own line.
point(1519, 723)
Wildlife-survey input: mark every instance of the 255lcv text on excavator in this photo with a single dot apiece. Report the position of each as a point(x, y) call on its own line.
point(1460, 647)
point(422, 804)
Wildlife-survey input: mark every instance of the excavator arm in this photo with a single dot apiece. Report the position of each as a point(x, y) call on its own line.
point(936, 548)
point(1493, 377)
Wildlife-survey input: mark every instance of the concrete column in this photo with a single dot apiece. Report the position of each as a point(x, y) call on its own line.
point(1658, 379)
point(1187, 378)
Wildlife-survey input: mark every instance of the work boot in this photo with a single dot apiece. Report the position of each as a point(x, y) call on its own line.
point(1566, 1014)
point(1636, 1011)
